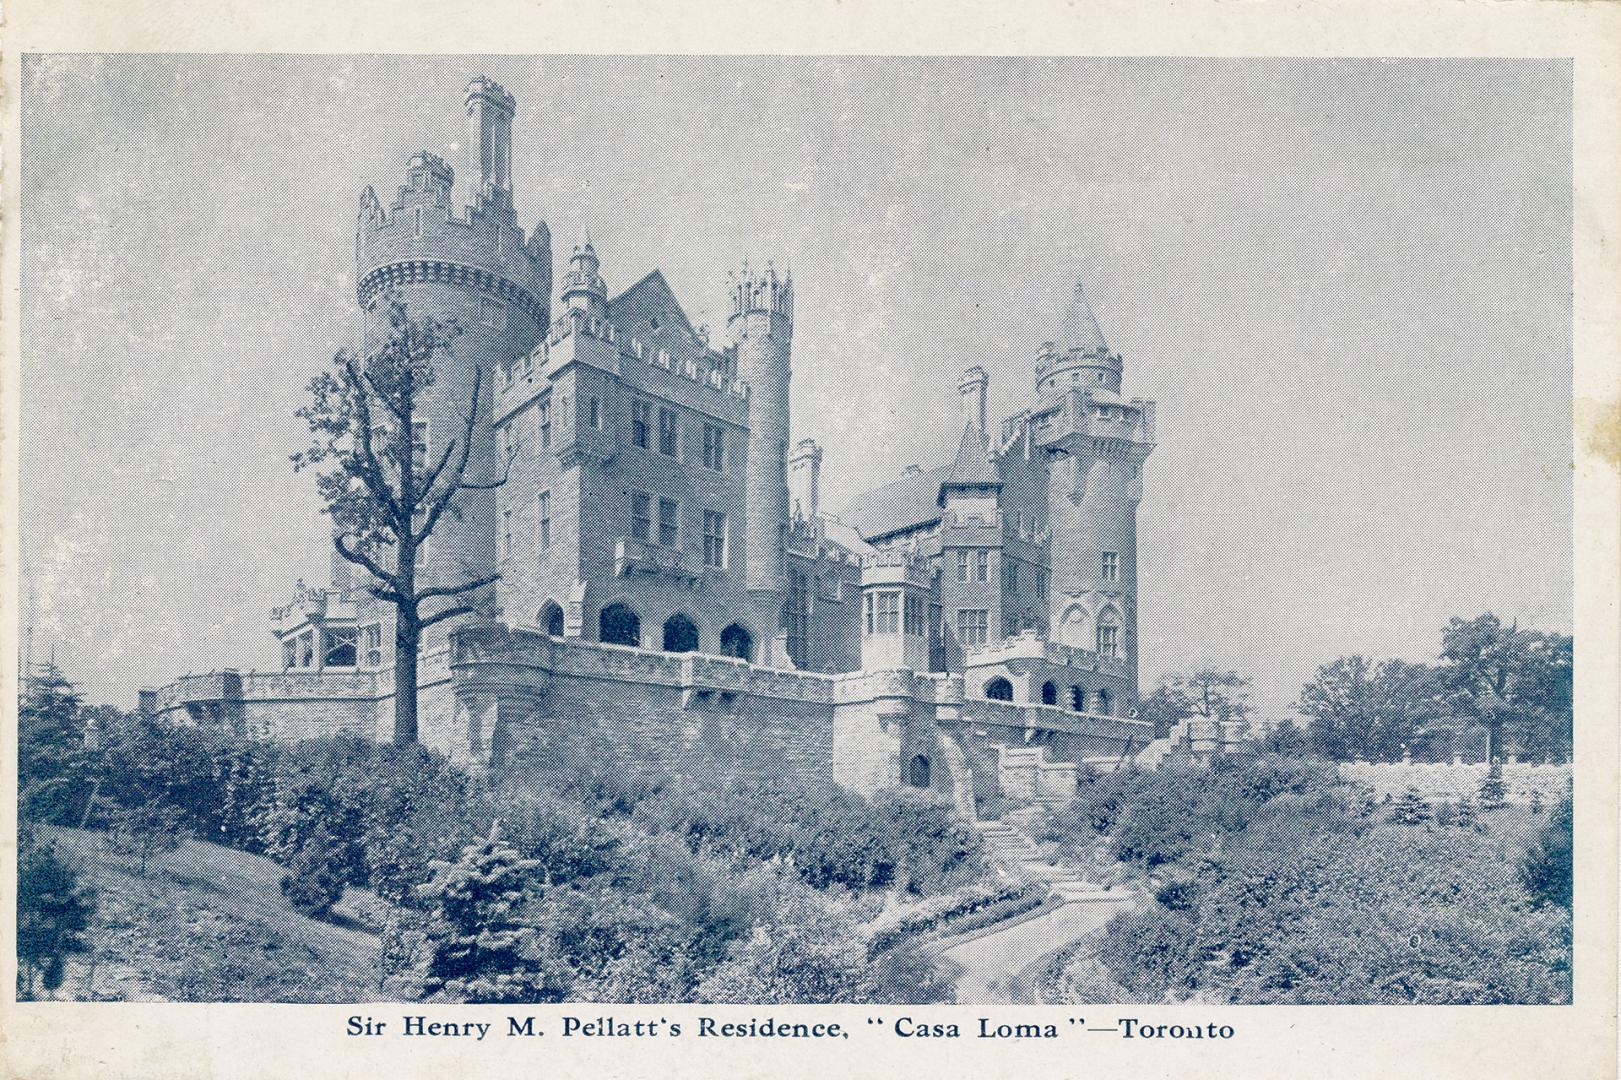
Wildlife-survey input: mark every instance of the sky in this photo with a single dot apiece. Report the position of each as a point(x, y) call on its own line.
point(1347, 284)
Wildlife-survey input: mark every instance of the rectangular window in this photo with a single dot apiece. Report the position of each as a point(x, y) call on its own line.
point(373, 639)
point(714, 448)
point(593, 413)
point(640, 413)
point(1108, 641)
point(545, 513)
point(306, 649)
point(340, 643)
point(714, 538)
point(889, 609)
point(1111, 566)
point(641, 515)
point(289, 653)
point(962, 566)
point(669, 515)
point(971, 626)
point(867, 605)
point(419, 445)
point(667, 429)
point(914, 616)
point(1010, 576)
point(545, 410)
point(506, 531)
point(982, 565)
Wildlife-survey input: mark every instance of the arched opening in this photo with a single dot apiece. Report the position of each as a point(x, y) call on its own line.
point(619, 625)
point(1077, 699)
point(551, 619)
point(917, 772)
point(1102, 703)
point(1072, 628)
point(736, 641)
point(1049, 694)
point(999, 689)
point(680, 634)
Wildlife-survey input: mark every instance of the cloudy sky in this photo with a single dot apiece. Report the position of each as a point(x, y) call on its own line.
point(1346, 283)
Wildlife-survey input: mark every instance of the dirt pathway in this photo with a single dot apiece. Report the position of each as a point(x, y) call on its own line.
point(992, 965)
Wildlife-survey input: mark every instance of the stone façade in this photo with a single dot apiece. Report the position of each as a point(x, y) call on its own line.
point(669, 586)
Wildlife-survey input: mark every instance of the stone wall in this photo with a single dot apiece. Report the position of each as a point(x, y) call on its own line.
point(1440, 782)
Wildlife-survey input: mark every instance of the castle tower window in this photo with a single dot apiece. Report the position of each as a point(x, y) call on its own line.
point(714, 448)
point(617, 624)
point(982, 565)
point(999, 689)
point(669, 517)
point(796, 617)
point(667, 432)
point(680, 634)
point(551, 618)
point(736, 641)
point(593, 413)
point(1108, 640)
point(1111, 566)
point(917, 772)
point(641, 515)
point(372, 638)
point(972, 627)
point(1049, 694)
point(640, 415)
point(887, 613)
point(544, 507)
point(962, 566)
point(914, 616)
point(340, 643)
point(714, 538)
point(545, 412)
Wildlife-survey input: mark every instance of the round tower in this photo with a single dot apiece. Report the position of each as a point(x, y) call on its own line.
point(1097, 448)
point(472, 265)
point(762, 325)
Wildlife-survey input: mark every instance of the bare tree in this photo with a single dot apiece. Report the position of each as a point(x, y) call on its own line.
point(383, 493)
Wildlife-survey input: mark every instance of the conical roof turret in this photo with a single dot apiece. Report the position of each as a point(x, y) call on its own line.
point(972, 468)
point(1079, 331)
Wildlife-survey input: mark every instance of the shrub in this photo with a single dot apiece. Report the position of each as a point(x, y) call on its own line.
point(314, 882)
point(1411, 809)
point(1546, 869)
point(1492, 795)
point(53, 913)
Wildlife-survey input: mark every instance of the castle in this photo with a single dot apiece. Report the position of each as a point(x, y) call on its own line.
point(665, 575)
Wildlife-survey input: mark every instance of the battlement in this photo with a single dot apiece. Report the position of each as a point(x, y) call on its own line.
point(1049, 358)
point(896, 567)
point(519, 382)
point(1031, 645)
point(762, 292)
point(422, 237)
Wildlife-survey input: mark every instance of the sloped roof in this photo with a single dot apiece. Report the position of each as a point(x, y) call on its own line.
point(898, 505)
point(1079, 329)
point(973, 467)
point(649, 310)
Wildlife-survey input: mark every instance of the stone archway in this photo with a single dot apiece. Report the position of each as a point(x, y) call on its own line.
point(550, 618)
point(618, 624)
point(737, 642)
point(1102, 703)
point(999, 689)
point(680, 634)
point(917, 772)
point(1049, 693)
point(1077, 699)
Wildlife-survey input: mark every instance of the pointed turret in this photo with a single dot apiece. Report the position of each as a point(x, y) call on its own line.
point(583, 288)
point(972, 469)
point(1079, 331)
point(1081, 357)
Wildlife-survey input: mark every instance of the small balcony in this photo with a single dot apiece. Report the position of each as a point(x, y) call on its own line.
point(632, 556)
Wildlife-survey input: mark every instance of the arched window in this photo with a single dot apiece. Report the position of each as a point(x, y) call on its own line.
point(619, 625)
point(551, 619)
point(1072, 628)
point(680, 634)
point(736, 641)
point(917, 772)
point(999, 689)
point(1102, 703)
point(1077, 699)
point(1049, 694)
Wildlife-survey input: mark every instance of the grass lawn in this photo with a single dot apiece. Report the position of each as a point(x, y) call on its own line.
point(208, 923)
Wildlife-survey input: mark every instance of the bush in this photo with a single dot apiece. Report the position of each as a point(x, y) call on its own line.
point(313, 882)
point(1411, 809)
point(1546, 871)
point(53, 913)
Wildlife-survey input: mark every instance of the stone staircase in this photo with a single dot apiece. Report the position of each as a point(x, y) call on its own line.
point(1018, 856)
point(1155, 753)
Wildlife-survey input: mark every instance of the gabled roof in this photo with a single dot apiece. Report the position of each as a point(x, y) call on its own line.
point(1079, 329)
point(898, 505)
point(973, 467)
point(649, 310)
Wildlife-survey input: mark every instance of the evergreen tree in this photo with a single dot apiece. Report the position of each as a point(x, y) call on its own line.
point(1546, 870)
point(53, 912)
point(1536, 801)
point(477, 945)
point(50, 747)
point(1492, 794)
point(313, 882)
point(1465, 817)
point(1411, 809)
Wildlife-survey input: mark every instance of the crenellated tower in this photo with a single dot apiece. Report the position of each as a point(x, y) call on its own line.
point(1097, 442)
point(472, 265)
point(762, 326)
